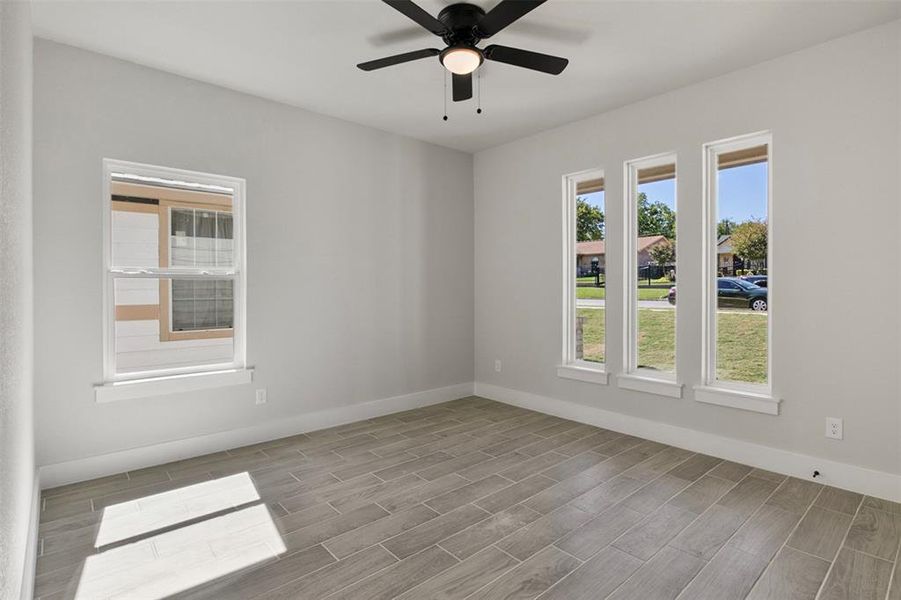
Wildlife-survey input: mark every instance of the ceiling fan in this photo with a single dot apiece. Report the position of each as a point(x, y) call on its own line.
point(462, 26)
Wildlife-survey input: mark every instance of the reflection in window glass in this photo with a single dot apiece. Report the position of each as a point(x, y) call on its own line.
point(590, 271)
point(742, 253)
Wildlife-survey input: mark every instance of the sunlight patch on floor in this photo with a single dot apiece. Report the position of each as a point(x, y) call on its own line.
point(152, 513)
point(178, 560)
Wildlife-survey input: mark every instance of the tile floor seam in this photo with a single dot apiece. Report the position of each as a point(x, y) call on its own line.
point(788, 537)
point(891, 578)
point(734, 533)
point(838, 550)
point(697, 517)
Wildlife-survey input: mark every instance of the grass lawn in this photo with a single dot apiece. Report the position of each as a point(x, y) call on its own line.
point(657, 339)
point(644, 293)
point(741, 347)
point(593, 333)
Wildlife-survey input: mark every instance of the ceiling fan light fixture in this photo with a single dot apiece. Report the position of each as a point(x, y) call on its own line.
point(461, 60)
point(462, 26)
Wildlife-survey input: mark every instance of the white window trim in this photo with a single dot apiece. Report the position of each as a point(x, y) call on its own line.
point(746, 396)
point(571, 367)
point(660, 384)
point(737, 398)
point(152, 174)
point(583, 371)
point(633, 377)
point(171, 384)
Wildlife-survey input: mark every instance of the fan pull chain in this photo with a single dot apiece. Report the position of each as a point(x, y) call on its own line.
point(445, 96)
point(479, 92)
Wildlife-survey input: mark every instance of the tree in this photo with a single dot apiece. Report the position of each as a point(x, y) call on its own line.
point(663, 253)
point(749, 240)
point(725, 227)
point(589, 222)
point(655, 218)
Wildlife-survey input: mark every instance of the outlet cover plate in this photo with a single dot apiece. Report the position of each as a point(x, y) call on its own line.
point(834, 428)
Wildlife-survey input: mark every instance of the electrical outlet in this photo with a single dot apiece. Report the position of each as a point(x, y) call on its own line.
point(261, 396)
point(834, 428)
point(497, 365)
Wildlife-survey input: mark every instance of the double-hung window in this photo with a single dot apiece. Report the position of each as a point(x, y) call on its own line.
point(174, 272)
point(738, 274)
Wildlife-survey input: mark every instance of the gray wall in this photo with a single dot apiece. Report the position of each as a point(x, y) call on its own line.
point(360, 252)
point(17, 471)
point(833, 111)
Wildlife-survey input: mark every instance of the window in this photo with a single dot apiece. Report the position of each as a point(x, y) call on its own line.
point(198, 238)
point(585, 283)
point(650, 233)
point(738, 266)
point(202, 305)
point(174, 297)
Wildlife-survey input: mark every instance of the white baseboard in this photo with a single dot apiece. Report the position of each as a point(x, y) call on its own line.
point(842, 475)
point(147, 456)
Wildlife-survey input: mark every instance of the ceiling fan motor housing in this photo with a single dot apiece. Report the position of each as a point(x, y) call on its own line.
point(462, 22)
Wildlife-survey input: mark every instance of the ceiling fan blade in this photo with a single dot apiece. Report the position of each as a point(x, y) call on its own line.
point(504, 14)
point(526, 59)
point(462, 86)
point(401, 35)
point(397, 59)
point(412, 11)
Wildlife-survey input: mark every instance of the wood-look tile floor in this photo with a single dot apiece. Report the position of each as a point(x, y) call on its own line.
point(466, 499)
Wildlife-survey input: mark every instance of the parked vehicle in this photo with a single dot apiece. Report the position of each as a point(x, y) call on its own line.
point(759, 280)
point(734, 292)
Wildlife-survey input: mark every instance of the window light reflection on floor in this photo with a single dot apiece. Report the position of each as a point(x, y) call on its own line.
point(181, 559)
point(152, 513)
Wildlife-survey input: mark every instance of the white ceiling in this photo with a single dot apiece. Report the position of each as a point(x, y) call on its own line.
point(304, 53)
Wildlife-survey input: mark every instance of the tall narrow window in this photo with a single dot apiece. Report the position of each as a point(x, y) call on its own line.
point(738, 277)
point(585, 280)
point(175, 279)
point(650, 332)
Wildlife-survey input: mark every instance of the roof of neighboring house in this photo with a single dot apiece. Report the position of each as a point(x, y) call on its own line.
point(598, 247)
point(590, 248)
point(724, 244)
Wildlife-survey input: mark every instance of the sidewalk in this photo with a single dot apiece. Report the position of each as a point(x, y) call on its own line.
point(595, 303)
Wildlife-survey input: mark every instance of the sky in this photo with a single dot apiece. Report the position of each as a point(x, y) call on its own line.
point(742, 193)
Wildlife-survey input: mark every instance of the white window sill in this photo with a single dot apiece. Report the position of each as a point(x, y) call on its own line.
point(742, 399)
point(650, 385)
point(586, 374)
point(173, 384)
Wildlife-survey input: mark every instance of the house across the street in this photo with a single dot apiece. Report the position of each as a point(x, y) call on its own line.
point(725, 258)
point(588, 253)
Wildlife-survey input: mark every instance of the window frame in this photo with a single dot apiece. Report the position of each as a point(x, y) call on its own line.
point(751, 396)
point(635, 377)
point(190, 182)
point(571, 367)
